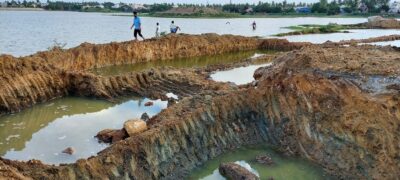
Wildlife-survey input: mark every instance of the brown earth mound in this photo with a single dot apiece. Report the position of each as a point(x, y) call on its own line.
point(51, 74)
point(311, 103)
point(382, 23)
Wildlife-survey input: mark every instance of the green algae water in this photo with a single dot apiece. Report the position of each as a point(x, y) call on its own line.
point(191, 62)
point(285, 168)
point(43, 131)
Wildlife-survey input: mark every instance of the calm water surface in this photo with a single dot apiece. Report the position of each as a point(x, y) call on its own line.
point(285, 168)
point(45, 130)
point(387, 43)
point(26, 32)
point(239, 76)
point(335, 37)
point(201, 61)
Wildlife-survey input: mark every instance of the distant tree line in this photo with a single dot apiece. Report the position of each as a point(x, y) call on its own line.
point(322, 7)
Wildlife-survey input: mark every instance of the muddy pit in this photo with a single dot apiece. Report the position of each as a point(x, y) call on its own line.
point(314, 104)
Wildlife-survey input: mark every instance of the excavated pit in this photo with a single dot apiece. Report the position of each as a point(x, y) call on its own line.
point(314, 103)
point(47, 75)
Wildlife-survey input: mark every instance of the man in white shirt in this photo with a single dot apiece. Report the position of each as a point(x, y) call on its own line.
point(174, 28)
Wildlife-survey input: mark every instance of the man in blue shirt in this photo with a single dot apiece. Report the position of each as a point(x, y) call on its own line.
point(138, 26)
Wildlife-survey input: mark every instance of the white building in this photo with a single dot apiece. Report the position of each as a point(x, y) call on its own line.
point(116, 6)
point(394, 7)
point(138, 6)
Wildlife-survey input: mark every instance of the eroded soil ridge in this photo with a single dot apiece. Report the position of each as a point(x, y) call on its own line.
point(325, 104)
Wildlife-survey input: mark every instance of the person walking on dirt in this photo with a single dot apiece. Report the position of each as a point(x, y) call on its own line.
point(138, 26)
point(174, 28)
point(254, 25)
point(158, 30)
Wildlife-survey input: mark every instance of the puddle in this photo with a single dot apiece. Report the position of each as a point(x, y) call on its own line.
point(284, 167)
point(387, 43)
point(336, 37)
point(181, 63)
point(239, 76)
point(45, 130)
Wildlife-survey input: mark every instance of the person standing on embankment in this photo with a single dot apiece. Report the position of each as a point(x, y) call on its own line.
point(157, 30)
point(138, 26)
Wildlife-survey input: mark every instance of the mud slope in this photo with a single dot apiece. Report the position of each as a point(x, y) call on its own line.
point(318, 103)
point(51, 74)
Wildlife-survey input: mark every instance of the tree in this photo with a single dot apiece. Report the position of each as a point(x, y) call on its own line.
point(333, 8)
point(319, 8)
point(108, 5)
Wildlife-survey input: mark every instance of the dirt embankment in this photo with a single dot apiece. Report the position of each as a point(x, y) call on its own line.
point(51, 74)
point(369, 40)
point(88, 56)
point(311, 102)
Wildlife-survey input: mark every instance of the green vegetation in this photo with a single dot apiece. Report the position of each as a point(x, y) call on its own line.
point(344, 8)
point(316, 29)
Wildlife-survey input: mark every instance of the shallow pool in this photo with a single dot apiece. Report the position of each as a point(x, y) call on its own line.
point(239, 76)
point(285, 168)
point(191, 62)
point(45, 130)
point(336, 37)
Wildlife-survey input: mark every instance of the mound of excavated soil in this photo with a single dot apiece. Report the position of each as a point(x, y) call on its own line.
point(315, 102)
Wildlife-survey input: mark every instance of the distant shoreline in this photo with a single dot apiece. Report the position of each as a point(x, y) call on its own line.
point(21, 9)
point(217, 16)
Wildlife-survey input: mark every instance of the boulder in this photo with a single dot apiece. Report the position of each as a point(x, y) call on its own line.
point(232, 171)
point(148, 103)
point(264, 159)
point(135, 126)
point(69, 151)
point(145, 117)
point(111, 135)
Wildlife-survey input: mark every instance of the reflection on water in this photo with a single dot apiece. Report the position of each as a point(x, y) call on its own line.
point(335, 37)
point(45, 130)
point(284, 167)
point(239, 76)
point(201, 61)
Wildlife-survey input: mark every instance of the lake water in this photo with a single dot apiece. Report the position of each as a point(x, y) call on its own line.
point(283, 168)
point(26, 32)
point(45, 130)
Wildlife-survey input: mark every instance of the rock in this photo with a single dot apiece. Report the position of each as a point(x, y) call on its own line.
point(208, 97)
point(135, 126)
point(69, 151)
point(264, 159)
point(148, 103)
point(171, 101)
point(233, 171)
point(111, 135)
point(145, 117)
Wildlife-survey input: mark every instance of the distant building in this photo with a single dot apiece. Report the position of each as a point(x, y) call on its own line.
point(249, 10)
point(138, 6)
point(302, 10)
point(394, 7)
point(116, 6)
